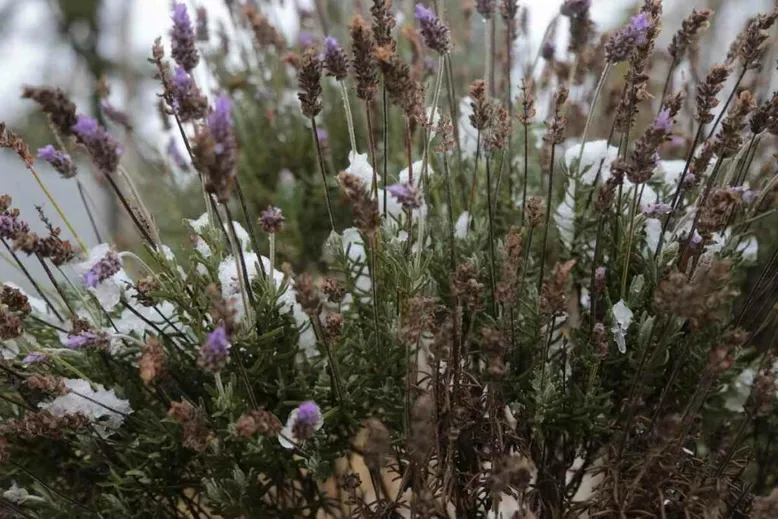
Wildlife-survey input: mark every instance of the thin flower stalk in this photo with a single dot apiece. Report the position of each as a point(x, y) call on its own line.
point(323, 170)
point(349, 116)
point(56, 206)
point(492, 261)
point(590, 117)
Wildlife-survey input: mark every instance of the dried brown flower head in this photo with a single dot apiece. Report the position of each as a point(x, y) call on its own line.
point(194, 434)
point(715, 214)
point(262, 422)
point(552, 297)
point(708, 90)
point(730, 136)
point(307, 295)
point(55, 104)
point(365, 208)
point(51, 386)
point(333, 326)
point(701, 300)
point(535, 211)
point(481, 118)
point(690, 30)
point(466, 287)
point(422, 437)
point(555, 133)
point(152, 362)
point(493, 346)
point(402, 88)
point(364, 60)
point(754, 36)
point(43, 424)
point(383, 24)
point(309, 79)
point(500, 131)
point(265, 33)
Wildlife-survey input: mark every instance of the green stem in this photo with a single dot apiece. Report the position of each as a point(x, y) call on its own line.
point(323, 171)
point(637, 195)
point(548, 219)
point(349, 116)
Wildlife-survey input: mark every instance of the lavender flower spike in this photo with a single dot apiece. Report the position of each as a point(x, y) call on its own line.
point(103, 148)
point(106, 267)
point(655, 210)
point(216, 150)
point(271, 220)
point(60, 161)
point(406, 195)
point(308, 417)
point(620, 46)
point(214, 353)
point(182, 38)
point(436, 34)
point(335, 59)
point(88, 340)
point(663, 122)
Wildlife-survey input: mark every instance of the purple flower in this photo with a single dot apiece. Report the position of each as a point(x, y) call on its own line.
point(271, 220)
point(188, 102)
point(214, 353)
point(655, 210)
point(61, 162)
point(34, 358)
point(323, 136)
point(182, 38)
point(308, 413)
point(106, 267)
point(688, 179)
point(600, 278)
point(335, 59)
point(696, 239)
point(103, 148)
point(175, 155)
point(435, 33)
point(620, 46)
point(406, 195)
point(663, 122)
point(88, 340)
point(307, 421)
point(216, 150)
point(745, 194)
point(639, 26)
point(306, 39)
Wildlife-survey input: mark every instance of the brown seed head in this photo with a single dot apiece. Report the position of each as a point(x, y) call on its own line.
point(691, 27)
point(708, 90)
point(309, 79)
point(364, 61)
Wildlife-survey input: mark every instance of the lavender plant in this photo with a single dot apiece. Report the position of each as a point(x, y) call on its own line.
point(555, 325)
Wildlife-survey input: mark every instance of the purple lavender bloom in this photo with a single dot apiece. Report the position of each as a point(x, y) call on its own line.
point(215, 351)
point(639, 26)
point(182, 38)
point(103, 148)
point(307, 421)
point(308, 413)
point(61, 162)
point(750, 195)
point(216, 148)
point(335, 59)
point(663, 122)
point(175, 155)
point(599, 274)
point(106, 267)
point(306, 39)
point(220, 124)
point(323, 136)
point(406, 195)
point(435, 33)
point(696, 239)
point(621, 44)
point(655, 210)
point(688, 179)
point(271, 220)
point(88, 340)
point(34, 358)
